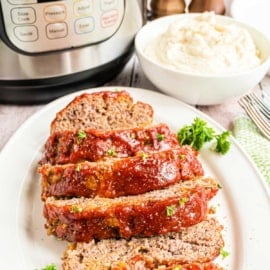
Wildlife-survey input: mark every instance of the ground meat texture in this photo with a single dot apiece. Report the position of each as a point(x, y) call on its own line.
point(159, 252)
point(69, 147)
point(120, 177)
point(157, 212)
point(103, 110)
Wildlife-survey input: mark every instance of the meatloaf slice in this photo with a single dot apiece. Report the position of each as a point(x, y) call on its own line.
point(156, 212)
point(103, 110)
point(193, 248)
point(119, 177)
point(93, 145)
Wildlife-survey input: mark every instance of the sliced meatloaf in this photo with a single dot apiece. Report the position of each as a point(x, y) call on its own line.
point(152, 213)
point(93, 145)
point(103, 110)
point(193, 248)
point(119, 177)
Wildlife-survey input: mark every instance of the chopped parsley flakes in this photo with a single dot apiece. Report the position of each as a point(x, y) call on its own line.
point(224, 253)
point(111, 152)
point(213, 210)
point(49, 267)
point(182, 156)
point(160, 137)
point(81, 135)
point(182, 201)
point(75, 209)
point(170, 210)
point(143, 155)
point(78, 167)
point(177, 267)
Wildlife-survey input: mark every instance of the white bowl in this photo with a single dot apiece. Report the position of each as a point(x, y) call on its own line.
point(199, 88)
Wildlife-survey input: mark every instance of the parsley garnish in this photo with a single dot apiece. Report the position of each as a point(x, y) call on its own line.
point(143, 155)
point(177, 267)
point(196, 134)
point(111, 152)
point(78, 167)
point(213, 209)
point(75, 209)
point(81, 135)
point(170, 210)
point(160, 137)
point(49, 267)
point(223, 144)
point(182, 201)
point(224, 253)
point(199, 133)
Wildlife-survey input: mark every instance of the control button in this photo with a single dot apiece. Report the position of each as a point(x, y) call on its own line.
point(27, 33)
point(22, 2)
point(82, 8)
point(109, 18)
point(25, 15)
point(55, 13)
point(84, 25)
point(108, 4)
point(56, 30)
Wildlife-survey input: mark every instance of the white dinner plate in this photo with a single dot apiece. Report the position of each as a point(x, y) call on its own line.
point(243, 203)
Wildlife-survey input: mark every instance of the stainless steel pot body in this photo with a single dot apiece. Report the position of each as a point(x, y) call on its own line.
point(24, 64)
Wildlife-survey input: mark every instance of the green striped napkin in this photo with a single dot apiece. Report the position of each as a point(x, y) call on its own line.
point(255, 144)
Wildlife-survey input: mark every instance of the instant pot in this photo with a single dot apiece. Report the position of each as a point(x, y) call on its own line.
point(50, 48)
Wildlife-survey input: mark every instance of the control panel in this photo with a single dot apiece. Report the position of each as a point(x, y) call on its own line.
point(36, 26)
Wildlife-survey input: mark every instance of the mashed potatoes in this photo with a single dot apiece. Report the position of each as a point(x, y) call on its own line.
point(204, 45)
